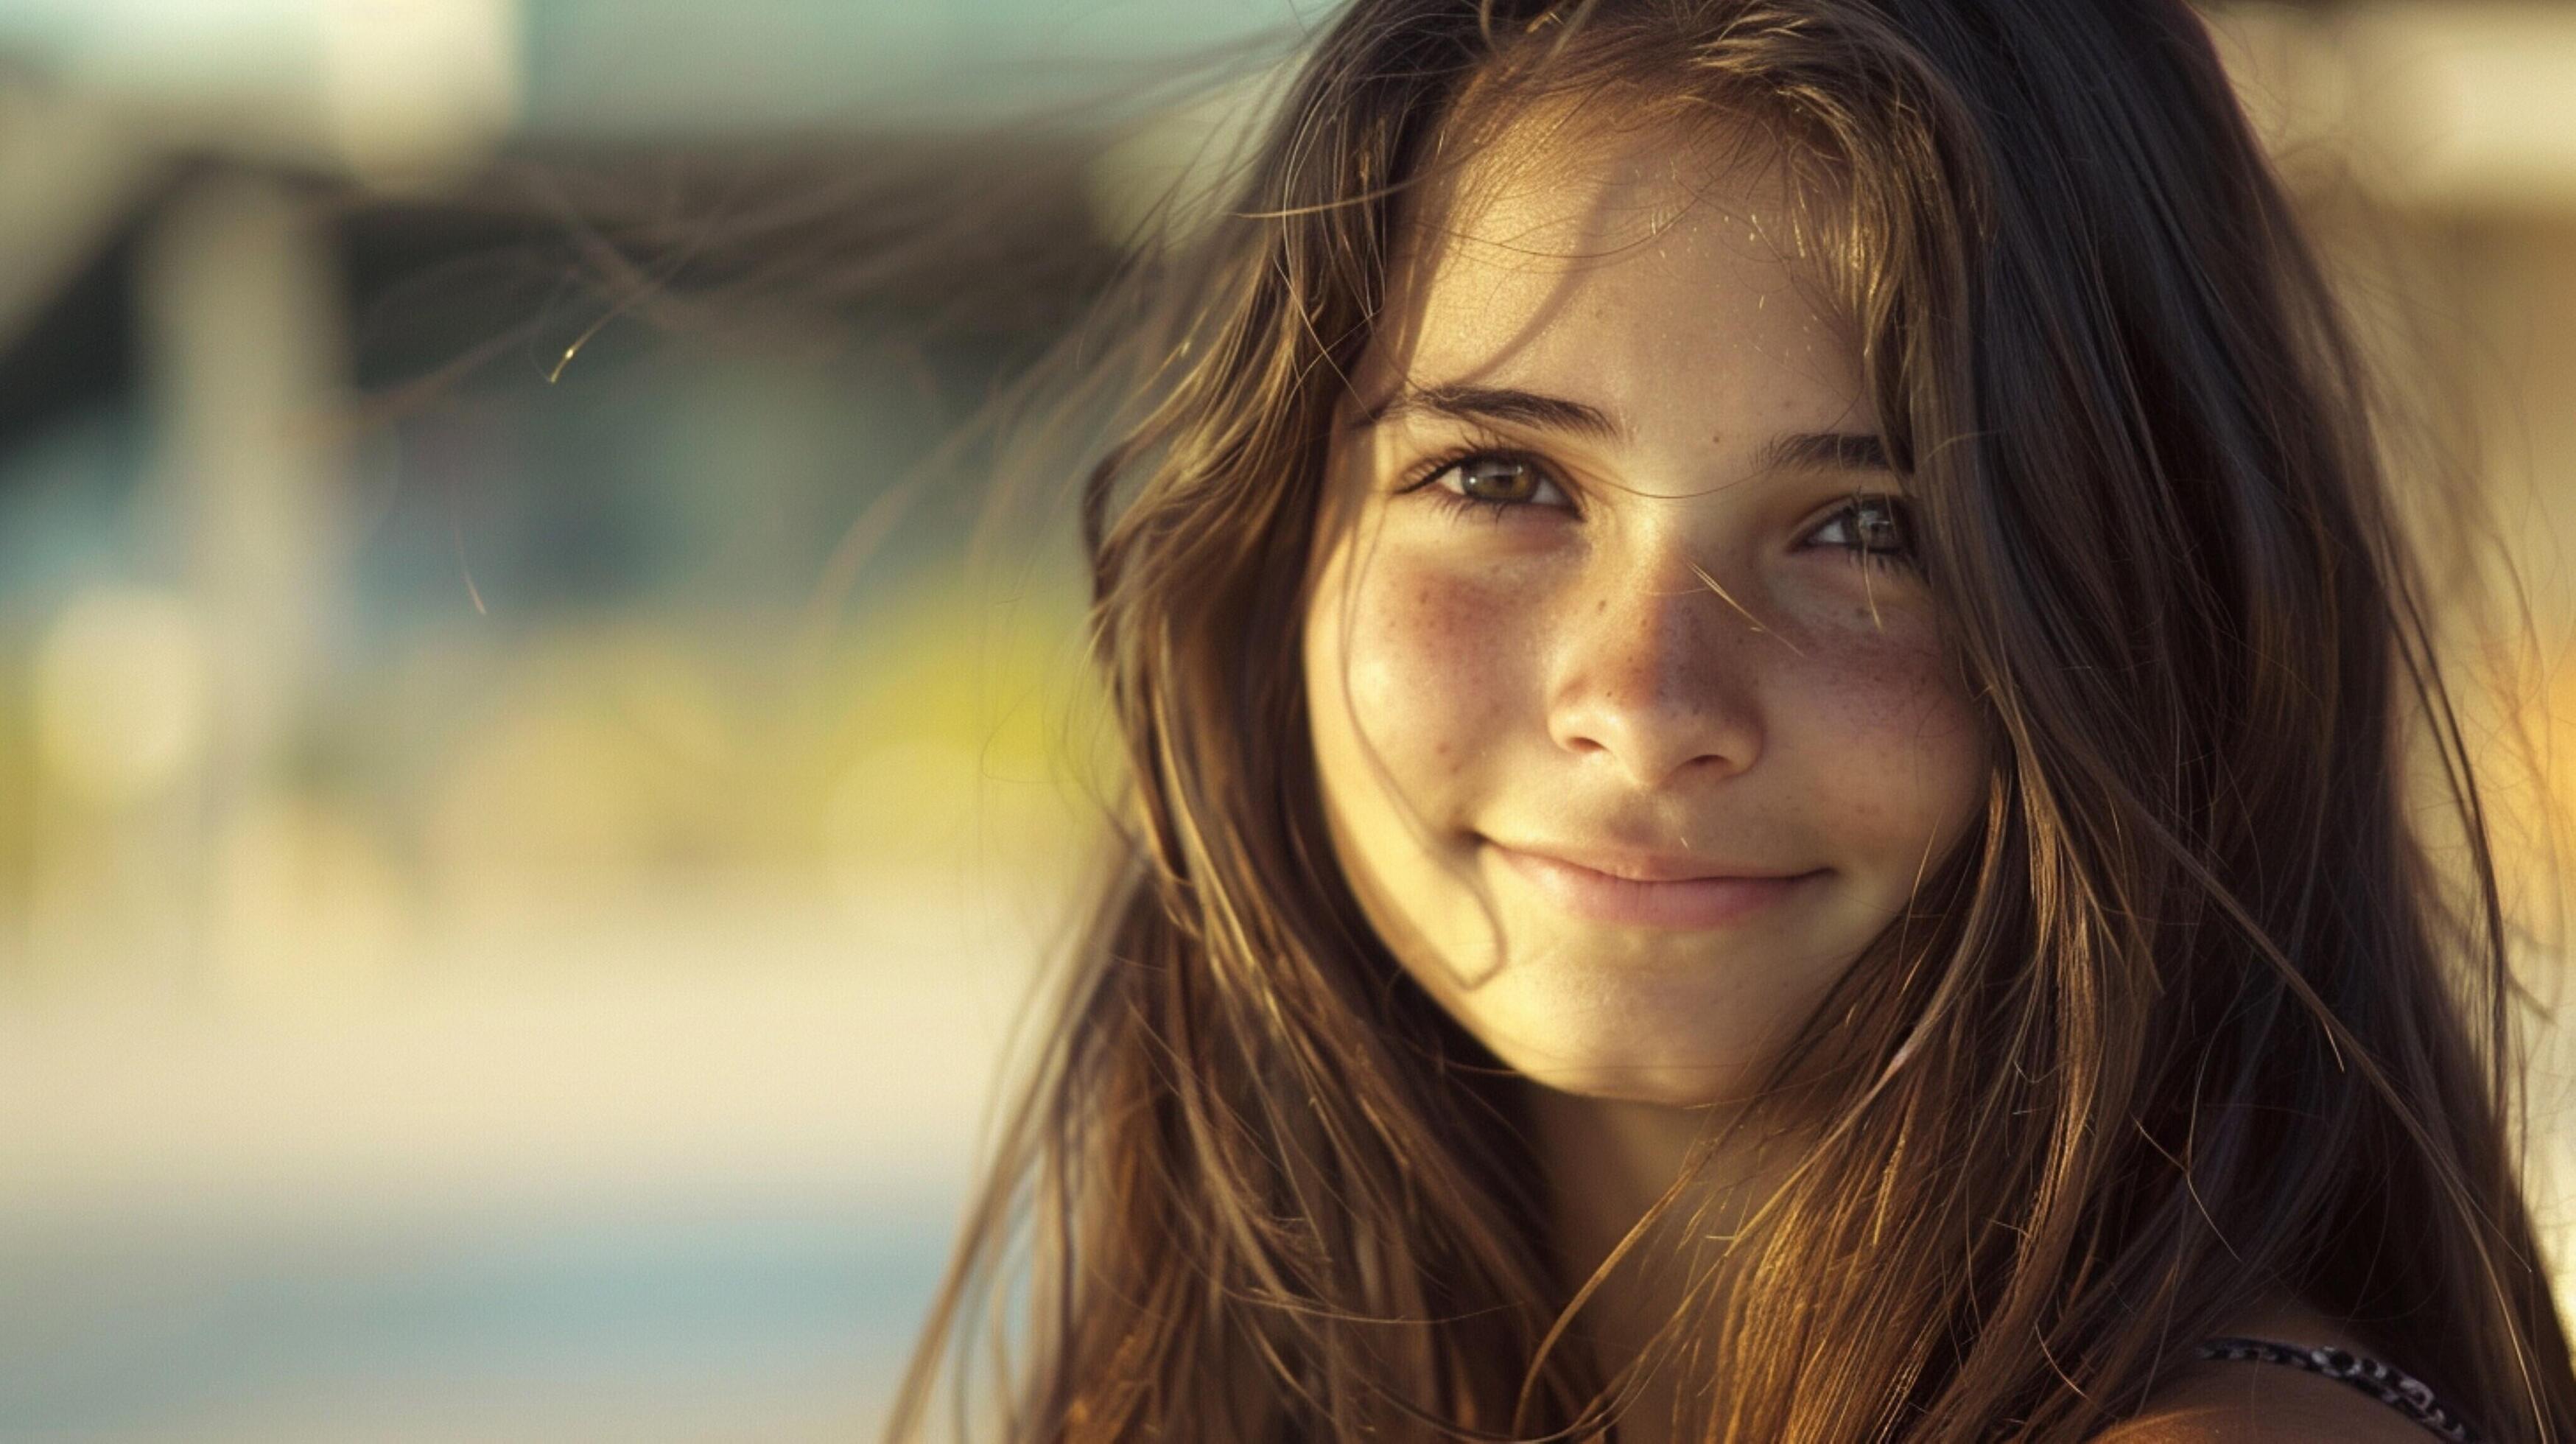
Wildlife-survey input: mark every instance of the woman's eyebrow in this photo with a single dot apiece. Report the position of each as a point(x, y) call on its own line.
point(1823, 450)
point(1495, 403)
point(1826, 450)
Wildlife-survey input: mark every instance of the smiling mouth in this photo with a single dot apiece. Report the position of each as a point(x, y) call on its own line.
point(1652, 892)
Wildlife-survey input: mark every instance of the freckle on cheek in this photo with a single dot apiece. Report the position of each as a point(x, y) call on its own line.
point(1879, 681)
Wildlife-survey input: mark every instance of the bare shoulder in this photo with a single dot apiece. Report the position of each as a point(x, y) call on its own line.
point(2294, 1409)
point(2241, 1403)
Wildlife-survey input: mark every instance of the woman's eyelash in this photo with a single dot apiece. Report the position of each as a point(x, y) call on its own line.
point(1511, 480)
point(1881, 529)
point(1880, 526)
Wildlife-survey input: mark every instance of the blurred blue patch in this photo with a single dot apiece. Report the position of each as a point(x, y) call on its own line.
point(155, 1336)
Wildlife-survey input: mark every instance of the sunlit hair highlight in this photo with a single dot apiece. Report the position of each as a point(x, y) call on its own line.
point(2190, 1018)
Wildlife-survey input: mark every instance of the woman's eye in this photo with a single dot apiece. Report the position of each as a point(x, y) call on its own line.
point(1497, 482)
point(1873, 528)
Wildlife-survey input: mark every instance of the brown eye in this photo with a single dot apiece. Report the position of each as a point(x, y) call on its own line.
point(1871, 528)
point(1499, 482)
point(1497, 478)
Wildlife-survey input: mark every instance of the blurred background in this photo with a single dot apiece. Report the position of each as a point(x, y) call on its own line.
point(530, 817)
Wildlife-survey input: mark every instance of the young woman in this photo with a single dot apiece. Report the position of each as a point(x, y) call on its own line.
point(1768, 695)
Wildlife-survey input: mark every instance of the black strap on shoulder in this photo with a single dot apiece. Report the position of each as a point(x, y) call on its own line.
point(2388, 1384)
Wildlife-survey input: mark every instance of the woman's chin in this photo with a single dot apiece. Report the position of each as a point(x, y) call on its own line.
point(1626, 1077)
point(1631, 1030)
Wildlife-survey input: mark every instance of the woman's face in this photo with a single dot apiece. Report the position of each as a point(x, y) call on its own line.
point(1631, 713)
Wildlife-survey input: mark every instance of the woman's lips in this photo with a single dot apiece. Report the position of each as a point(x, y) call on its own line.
point(1656, 893)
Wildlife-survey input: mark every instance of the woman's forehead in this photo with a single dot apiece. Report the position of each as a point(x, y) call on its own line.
point(1578, 170)
point(1569, 246)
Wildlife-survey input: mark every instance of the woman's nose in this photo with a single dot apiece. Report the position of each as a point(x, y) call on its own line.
point(1655, 673)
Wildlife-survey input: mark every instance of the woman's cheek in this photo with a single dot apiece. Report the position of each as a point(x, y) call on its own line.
point(1407, 676)
point(1432, 651)
point(1885, 728)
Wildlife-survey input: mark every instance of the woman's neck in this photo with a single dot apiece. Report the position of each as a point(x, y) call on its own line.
point(1607, 1162)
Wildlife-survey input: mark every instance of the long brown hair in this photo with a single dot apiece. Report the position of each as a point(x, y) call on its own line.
point(2191, 1018)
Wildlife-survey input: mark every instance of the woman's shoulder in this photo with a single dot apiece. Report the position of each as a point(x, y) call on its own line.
point(2242, 1401)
